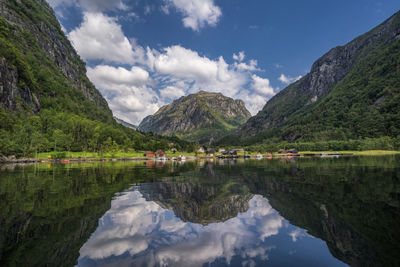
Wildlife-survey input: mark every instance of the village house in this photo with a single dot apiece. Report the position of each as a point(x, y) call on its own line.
point(160, 154)
point(149, 154)
point(211, 152)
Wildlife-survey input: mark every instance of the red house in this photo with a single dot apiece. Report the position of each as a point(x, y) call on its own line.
point(160, 153)
point(149, 154)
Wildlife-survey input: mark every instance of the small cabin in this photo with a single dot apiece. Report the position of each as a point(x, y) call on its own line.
point(221, 150)
point(174, 150)
point(160, 154)
point(211, 153)
point(200, 150)
point(149, 154)
point(233, 153)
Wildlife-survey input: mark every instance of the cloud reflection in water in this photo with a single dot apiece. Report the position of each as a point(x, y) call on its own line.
point(140, 232)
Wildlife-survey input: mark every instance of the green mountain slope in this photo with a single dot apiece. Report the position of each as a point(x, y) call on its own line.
point(200, 117)
point(352, 92)
point(46, 101)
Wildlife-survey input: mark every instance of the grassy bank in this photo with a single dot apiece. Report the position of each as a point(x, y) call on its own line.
point(107, 155)
point(358, 153)
point(140, 154)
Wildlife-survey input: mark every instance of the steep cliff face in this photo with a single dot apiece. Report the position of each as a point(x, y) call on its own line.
point(340, 67)
point(198, 117)
point(47, 103)
point(36, 58)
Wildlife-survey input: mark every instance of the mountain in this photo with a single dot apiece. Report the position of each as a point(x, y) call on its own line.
point(39, 67)
point(126, 124)
point(47, 103)
point(200, 117)
point(352, 92)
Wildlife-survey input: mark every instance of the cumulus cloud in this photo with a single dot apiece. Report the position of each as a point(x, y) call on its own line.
point(133, 225)
point(101, 37)
point(126, 91)
point(185, 63)
point(177, 63)
point(251, 66)
point(287, 79)
point(197, 13)
point(240, 65)
point(107, 76)
point(254, 102)
point(171, 92)
point(262, 86)
point(176, 71)
point(134, 104)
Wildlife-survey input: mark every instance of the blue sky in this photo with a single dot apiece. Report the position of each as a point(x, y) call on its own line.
point(143, 54)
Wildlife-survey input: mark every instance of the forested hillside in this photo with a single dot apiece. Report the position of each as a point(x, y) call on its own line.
point(351, 93)
point(46, 101)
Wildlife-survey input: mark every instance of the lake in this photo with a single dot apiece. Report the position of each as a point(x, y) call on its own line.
point(282, 212)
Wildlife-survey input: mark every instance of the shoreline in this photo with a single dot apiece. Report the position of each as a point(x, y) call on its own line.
point(13, 160)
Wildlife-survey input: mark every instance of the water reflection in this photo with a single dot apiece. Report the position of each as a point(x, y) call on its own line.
point(139, 232)
point(242, 213)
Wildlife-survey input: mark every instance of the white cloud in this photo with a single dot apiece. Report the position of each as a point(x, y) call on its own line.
point(254, 102)
point(101, 37)
point(135, 104)
point(106, 76)
point(171, 92)
point(126, 91)
point(176, 71)
point(262, 86)
point(197, 13)
point(199, 73)
point(240, 65)
point(185, 63)
point(252, 66)
point(287, 79)
point(239, 57)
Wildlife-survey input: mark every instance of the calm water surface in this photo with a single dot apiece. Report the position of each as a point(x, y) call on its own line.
point(305, 212)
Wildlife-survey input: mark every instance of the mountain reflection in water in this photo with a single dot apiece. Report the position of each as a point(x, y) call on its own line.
point(139, 232)
point(305, 212)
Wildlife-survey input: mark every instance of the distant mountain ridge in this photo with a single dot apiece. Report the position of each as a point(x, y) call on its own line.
point(198, 117)
point(126, 124)
point(351, 92)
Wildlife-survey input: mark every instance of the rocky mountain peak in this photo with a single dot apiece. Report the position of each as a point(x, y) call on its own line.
point(198, 117)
